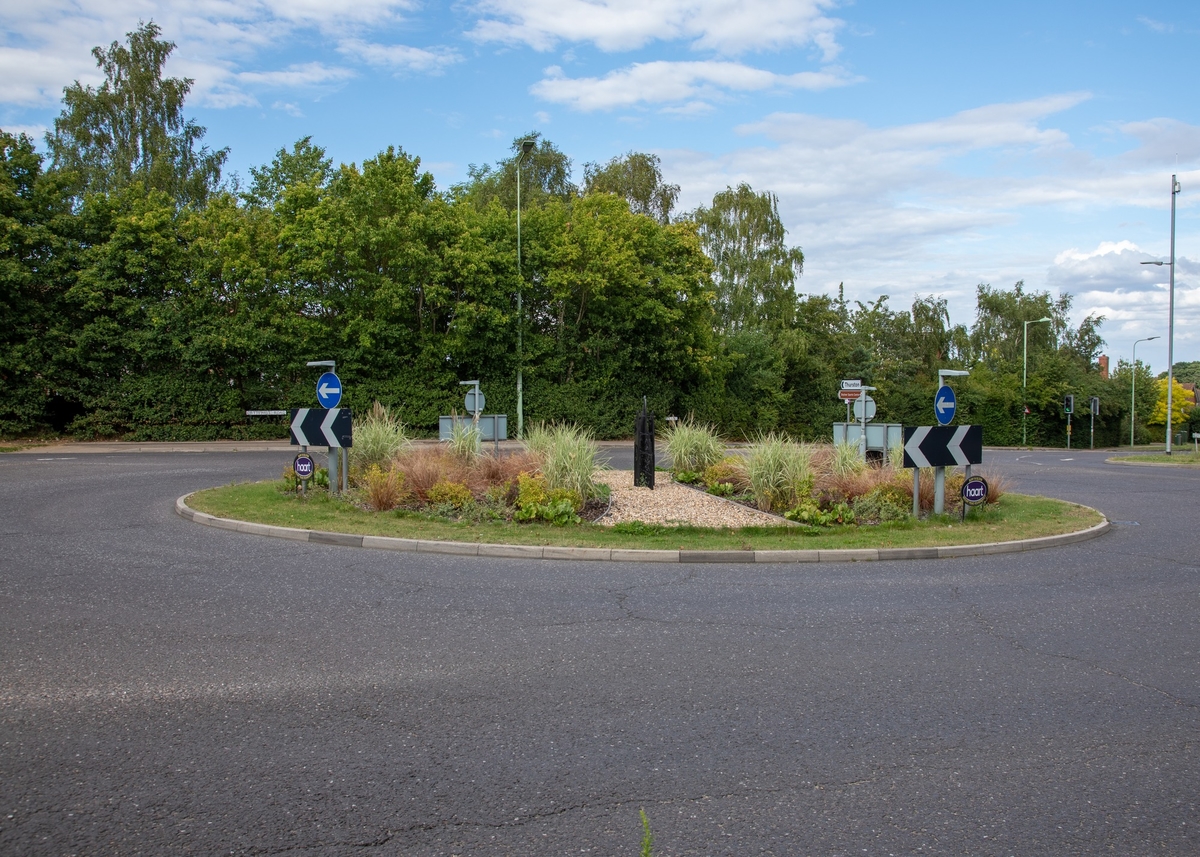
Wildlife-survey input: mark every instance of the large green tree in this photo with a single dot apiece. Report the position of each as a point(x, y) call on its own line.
point(637, 178)
point(755, 271)
point(40, 244)
point(132, 128)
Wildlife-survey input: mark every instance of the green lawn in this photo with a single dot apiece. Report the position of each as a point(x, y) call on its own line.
point(1016, 516)
point(1182, 457)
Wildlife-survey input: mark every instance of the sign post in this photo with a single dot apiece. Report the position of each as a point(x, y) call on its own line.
point(944, 407)
point(940, 447)
point(329, 396)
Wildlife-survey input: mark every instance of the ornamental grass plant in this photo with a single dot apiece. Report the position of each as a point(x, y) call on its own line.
point(378, 438)
point(568, 460)
point(693, 446)
point(780, 472)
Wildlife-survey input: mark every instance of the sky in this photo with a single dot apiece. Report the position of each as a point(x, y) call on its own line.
point(915, 148)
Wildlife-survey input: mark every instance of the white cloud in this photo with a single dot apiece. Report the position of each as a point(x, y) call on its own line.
point(45, 46)
point(34, 132)
point(1156, 26)
point(288, 108)
point(974, 197)
point(1112, 266)
point(673, 82)
point(400, 58)
point(299, 75)
point(725, 26)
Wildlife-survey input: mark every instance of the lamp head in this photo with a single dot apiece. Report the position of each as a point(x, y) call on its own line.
point(527, 146)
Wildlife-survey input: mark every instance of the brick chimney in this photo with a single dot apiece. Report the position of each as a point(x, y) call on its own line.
point(1104, 366)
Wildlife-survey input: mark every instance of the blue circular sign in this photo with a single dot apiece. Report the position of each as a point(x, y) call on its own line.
point(329, 390)
point(303, 465)
point(944, 405)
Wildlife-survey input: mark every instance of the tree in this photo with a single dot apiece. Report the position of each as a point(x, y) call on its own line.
point(132, 128)
point(39, 255)
point(1182, 403)
point(305, 165)
point(637, 177)
point(545, 175)
point(755, 269)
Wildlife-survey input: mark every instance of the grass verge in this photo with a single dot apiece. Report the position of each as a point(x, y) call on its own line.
point(1157, 458)
point(1015, 516)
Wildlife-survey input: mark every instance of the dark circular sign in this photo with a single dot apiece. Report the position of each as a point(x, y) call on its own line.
point(975, 491)
point(303, 465)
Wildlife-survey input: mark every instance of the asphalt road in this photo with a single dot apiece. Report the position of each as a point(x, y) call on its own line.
point(167, 688)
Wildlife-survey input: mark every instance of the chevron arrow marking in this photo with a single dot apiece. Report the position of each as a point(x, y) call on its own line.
point(327, 427)
point(298, 427)
point(913, 447)
point(955, 449)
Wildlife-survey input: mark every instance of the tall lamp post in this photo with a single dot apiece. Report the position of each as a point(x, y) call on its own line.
point(1133, 389)
point(1175, 188)
point(1025, 380)
point(526, 147)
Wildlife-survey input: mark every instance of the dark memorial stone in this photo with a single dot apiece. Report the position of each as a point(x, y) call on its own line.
point(643, 448)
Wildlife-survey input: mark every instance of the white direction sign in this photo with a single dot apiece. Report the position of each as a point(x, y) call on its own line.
point(851, 385)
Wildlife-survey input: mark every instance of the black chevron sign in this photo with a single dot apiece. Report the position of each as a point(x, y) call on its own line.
point(321, 427)
point(942, 446)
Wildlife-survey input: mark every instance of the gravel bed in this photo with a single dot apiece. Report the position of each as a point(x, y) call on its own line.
point(672, 504)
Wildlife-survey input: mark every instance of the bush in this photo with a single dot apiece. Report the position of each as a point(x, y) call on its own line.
point(883, 505)
point(730, 471)
point(779, 472)
point(693, 446)
point(384, 489)
point(378, 438)
point(809, 511)
point(538, 502)
point(453, 494)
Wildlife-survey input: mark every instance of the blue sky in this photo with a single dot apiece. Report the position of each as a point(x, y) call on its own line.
point(917, 148)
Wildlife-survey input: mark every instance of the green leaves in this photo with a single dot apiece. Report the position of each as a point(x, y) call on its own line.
point(131, 128)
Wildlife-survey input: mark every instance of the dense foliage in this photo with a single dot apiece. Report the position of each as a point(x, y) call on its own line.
point(144, 299)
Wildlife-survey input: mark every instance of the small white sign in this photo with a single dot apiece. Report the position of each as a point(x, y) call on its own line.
point(851, 385)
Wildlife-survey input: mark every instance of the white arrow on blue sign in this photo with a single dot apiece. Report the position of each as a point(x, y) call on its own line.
point(944, 405)
point(329, 390)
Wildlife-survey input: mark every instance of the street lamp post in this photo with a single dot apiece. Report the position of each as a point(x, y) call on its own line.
point(1175, 188)
point(1025, 380)
point(1133, 389)
point(526, 147)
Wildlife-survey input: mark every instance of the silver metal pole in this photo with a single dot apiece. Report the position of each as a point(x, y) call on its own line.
point(520, 313)
point(1024, 391)
point(916, 492)
point(939, 490)
point(1171, 317)
point(1133, 395)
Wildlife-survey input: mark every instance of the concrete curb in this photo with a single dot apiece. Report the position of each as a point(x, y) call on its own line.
point(626, 555)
